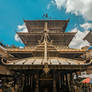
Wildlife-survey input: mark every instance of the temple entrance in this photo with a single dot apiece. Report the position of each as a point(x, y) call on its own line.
point(46, 86)
point(41, 86)
point(45, 83)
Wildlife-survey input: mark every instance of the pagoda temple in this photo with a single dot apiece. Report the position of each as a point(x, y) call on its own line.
point(46, 63)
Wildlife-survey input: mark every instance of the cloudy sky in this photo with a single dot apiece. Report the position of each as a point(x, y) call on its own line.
point(13, 12)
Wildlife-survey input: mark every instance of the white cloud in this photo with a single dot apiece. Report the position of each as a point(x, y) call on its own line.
point(60, 3)
point(48, 5)
point(74, 30)
point(78, 42)
point(77, 7)
point(51, 3)
point(86, 26)
point(17, 38)
point(21, 28)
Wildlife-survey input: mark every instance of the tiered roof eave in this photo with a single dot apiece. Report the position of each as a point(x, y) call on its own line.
point(31, 24)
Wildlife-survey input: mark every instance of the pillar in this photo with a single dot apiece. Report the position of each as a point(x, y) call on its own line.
point(36, 83)
point(54, 83)
point(31, 81)
point(59, 81)
point(66, 80)
point(68, 75)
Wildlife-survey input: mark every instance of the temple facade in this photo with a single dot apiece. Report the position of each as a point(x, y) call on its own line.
point(46, 63)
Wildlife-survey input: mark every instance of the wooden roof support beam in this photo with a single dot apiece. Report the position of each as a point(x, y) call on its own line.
point(46, 69)
point(45, 43)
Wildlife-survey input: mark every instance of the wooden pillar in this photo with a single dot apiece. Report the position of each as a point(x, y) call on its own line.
point(63, 85)
point(31, 81)
point(21, 84)
point(54, 86)
point(27, 80)
point(23, 80)
point(66, 80)
point(63, 79)
point(71, 77)
point(69, 82)
point(54, 83)
point(59, 81)
point(36, 83)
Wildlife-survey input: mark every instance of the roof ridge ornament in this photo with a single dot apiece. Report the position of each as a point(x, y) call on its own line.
point(45, 15)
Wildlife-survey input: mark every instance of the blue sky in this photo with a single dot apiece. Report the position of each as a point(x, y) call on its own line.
point(13, 12)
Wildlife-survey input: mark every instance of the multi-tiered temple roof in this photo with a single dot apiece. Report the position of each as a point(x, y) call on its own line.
point(56, 32)
point(46, 43)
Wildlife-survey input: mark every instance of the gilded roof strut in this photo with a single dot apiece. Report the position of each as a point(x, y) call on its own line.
point(46, 69)
point(45, 43)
